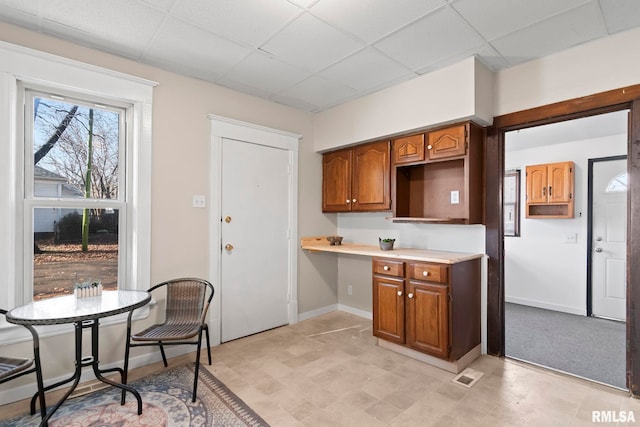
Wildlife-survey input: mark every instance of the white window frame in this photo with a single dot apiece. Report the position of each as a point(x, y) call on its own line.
point(31, 201)
point(33, 68)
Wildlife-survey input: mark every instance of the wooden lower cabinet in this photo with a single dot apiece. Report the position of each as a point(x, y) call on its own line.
point(427, 318)
point(433, 308)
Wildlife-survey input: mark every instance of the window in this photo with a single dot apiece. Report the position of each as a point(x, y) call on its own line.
point(512, 203)
point(73, 200)
point(27, 74)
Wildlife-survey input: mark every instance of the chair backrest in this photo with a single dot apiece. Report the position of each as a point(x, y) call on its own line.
point(188, 300)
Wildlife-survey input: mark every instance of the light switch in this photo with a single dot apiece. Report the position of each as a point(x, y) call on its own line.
point(199, 201)
point(455, 197)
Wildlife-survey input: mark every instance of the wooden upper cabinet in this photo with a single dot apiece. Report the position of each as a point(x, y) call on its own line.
point(371, 188)
point(550, 190)
point(448, 142)
point(357, 179)
point(336, 181)
point(408, 149)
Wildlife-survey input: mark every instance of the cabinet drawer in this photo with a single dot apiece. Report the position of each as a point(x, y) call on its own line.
point(388, 267)
point(429, 272)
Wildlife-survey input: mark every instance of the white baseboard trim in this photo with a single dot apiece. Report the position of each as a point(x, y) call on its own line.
point(355, 311)
point(317, 312)
point(547, 306)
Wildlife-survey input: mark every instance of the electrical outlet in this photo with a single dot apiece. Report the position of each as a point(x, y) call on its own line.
point(455, 197)
point(199, 201)
point(349, 290)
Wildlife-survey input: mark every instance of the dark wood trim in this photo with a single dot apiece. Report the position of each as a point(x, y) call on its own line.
point(633, 252)
point(604, 102)
point(494, 167)
point(613, 100)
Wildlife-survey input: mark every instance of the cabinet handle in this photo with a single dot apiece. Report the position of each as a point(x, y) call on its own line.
point(425, 273)
point(410, 295)
point(353, 200)
point(399, 293)
point(348, 201)
point(386, 268)
point(550, 190)
point(429, 147)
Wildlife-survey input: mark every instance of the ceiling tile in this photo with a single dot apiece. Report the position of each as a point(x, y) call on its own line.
point(311, 44)
point(432, 39)
point(193, 51)
point(365, 70)
point(373, 19)
point(485, 53)
point(303, 3)
point(20, 13)
point(261, 71)
point(163, 5)
point(557, 33)
point(319, 92)
point(120, 24)
point(496, 18)
point(249, 21)
point(620, 15)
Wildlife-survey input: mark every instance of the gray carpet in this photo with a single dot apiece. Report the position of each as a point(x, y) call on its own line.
point(585, 346)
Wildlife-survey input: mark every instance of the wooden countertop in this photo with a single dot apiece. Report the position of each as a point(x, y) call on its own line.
point(320, 244)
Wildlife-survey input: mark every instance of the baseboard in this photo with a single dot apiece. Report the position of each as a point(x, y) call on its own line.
point(356, 311)
point(317, 312)
point(547, 306)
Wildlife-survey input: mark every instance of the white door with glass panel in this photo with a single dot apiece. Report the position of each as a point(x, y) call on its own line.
point(609, 234)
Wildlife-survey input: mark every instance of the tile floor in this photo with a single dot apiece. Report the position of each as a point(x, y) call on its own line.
point(328, 371)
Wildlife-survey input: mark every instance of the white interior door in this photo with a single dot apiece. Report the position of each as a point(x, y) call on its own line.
point(609, 245)
point(254, 238)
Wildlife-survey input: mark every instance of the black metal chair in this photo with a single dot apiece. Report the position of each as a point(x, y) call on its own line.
point(187, 303)
point(15, 367)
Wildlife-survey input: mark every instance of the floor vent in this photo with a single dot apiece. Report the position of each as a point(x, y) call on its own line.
point(90, 388)
point(468, 377)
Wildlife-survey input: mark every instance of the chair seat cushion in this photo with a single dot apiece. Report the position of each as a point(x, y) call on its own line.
point(11, 365)
point(167, 332)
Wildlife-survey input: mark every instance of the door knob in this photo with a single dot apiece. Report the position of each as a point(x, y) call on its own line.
point(227, 219)
point(228, 247)
point(598, 249)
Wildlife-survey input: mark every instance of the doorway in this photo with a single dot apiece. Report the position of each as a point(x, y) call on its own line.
point(253, 237)
point(547, 265)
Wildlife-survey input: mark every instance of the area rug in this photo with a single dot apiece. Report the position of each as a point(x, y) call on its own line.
point(166, 402)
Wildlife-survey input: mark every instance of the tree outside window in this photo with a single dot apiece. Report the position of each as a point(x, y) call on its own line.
point(74, 193)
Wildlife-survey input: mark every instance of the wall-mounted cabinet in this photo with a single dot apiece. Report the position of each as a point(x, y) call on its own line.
point(445, 184)
point(550, 189)
point(357, 179)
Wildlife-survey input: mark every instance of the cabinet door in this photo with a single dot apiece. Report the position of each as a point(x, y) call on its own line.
point(408, 149)
point(559, 178)
point(388, 309)
point(336, 181)
point(537, 184)
point(428, 318)
point(371, 188)
point(449, 142)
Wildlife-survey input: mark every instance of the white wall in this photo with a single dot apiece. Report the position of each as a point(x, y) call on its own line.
point(541, 270)
point(456, 93)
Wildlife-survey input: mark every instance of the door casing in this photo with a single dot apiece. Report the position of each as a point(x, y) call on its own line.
point(613, 100)
point(222, 127)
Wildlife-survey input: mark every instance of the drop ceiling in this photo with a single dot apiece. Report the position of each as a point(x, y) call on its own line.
point(316, 54)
